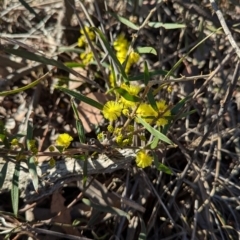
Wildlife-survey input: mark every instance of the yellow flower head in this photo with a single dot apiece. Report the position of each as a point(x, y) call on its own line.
point(86, 57)
point(52, 162)
point(110, 128)
point(147, 112)
point(121, 55)
point(119, 139)
point(117, 131)
point(162, 108)
point(90, 33)
point(82, 41)
point(143, 159)
point(132, 90)
point(100, 136)
point(51, 148)
point(112, 110)
point(64, 140)
point(112, 80)
point(15, 142)
point(121, 43)
point(133, 57)
point(121, 46)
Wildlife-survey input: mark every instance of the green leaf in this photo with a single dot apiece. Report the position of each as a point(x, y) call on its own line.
point(151, 74)
point(38, 58)
point(124, 93)
point(15, 189)
point(29, 132)
point(142, 50)
point(166, 25)
point(154, 132)
point(107, 209)
point(163, 168)
point(79, 125)
point(125, 21)
point(152, 100)
point(111, 52)
point(73, 64)
point(30, 9)
point(81, 97)
point(183, 115)
point(3, 173)
point(32, 168)
point(31, 85)
point(146, 73)
point(143, 233)
point(175, 110)
point(160, 166)
point(154, 143)
point(2, 137)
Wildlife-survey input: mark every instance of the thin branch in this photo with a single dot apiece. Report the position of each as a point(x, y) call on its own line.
point(225, 27)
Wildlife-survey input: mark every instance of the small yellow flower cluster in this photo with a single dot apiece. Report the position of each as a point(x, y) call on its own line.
point(15, 142)
point(132, 90)
point(121, 46)
point(124, 140)
point(143, 159)
point(32, 146)
point(86, 56)
point(82, 41)
point(64, 140)
point(112, 110)
point(146, 112)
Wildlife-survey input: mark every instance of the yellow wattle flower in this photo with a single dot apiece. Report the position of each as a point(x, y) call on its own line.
point(64, 140)
point(143, 159)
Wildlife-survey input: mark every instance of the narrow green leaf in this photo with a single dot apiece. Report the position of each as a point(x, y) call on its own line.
point(160, 166)
point(154, 132)
point(85, 172)
point(2, 137)
point(124, 93)
point(111, 53)
point(32, 168)
point(183, 115)
point(80, 130)
point(29, 131)
point(73, 64)
point(79, 125)
point(151, 74)
point(152, 100)
point(175, 110)
point(81, 97)
point(15, 189)
point(3, 173)
point(70, 49)
point(146, 73)
point(106, 209)
point(143, 233)
point(30, 9)
point(142, 50)
point(38, 58)
point(125, 21)
point(150, 96)
point(164, 168)
point(166, 25)
point(154, 143)
point(31, 85)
